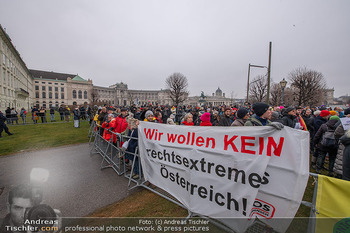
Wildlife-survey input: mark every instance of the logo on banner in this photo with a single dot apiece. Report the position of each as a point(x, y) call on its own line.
point(262, 209)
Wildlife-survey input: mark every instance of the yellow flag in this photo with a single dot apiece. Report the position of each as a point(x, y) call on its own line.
point(332, 205)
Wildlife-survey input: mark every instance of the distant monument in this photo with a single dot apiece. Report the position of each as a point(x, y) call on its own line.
point(202, 98)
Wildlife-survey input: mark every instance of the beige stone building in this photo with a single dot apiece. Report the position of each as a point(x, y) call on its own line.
point(216, 99)
point(55, 89)
point(16, 81)
point(119, 94)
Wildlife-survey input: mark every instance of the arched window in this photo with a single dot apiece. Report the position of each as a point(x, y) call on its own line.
point(85, 94)
point(74, 94)
point(80, 95)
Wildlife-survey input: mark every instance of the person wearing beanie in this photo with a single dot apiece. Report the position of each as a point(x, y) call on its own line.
point(262, 114)
point(325, 113)
point(289, 117)
point(321, 119)
point(205, 119)
point(329, 126)
point(275, 117)
point(226, 118)
point(170, 120)
point(333, 113)
point(334, 117)
point(242, 117)
point(149, 116)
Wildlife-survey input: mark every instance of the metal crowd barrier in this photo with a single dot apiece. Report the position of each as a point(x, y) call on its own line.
point(114, 156)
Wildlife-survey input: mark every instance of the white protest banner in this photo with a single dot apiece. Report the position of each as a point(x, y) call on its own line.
point(229, 172)
point(345, 121)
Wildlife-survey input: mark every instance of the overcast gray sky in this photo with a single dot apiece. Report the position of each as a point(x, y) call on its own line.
point(142, 42)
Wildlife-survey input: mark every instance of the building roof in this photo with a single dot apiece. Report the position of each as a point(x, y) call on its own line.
point(52, 75)
point(78, 78)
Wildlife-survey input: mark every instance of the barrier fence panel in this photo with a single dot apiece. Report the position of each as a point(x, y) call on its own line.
point(115, 156)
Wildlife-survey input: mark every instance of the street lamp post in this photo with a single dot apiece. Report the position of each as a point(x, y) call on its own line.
point(283, 84)
point(248, 78)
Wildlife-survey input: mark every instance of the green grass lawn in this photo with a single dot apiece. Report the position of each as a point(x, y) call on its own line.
point(39, 136)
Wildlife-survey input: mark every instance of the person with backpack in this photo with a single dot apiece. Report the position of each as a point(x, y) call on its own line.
point(326, 143)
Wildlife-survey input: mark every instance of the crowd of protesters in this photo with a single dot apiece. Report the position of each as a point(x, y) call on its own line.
point(318, 122)
point(40, 114)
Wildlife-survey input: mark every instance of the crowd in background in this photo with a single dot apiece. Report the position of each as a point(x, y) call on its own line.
point(328, 139)
point(320, 122)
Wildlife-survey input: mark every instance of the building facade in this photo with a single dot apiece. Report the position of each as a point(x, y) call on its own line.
point(16, 82)
point(216, 99)
point(119, 94)
point(55, 89)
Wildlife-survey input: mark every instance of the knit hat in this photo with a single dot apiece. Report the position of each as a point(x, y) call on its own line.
point(290, 108)
point(260, 108)
point(123, 109)
point(148, 113)
point(242, 112)
point(317, 112)
point(334, 118)
point(227, 108)
point(347, 111)
point(205, 117)
point(324, 113)
point(333, 113)
point(172, 116)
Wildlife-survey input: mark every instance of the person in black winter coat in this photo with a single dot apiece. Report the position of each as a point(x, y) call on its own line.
point(3, 126)
point(323, 151)
point(319, 120)
point(289, 117)
point(345, 140)
point(226, 118)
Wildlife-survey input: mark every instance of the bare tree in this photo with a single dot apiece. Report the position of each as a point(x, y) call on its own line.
point(177, 85)
point(308, 86)
point(258, 89)
point(276, 94)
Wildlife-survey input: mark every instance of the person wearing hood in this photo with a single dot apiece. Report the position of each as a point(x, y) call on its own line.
point(205, 119)
point(242, 117)
point(323, 150)
point(345, 140)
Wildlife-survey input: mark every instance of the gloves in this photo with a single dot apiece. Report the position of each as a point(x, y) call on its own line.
point(277, 125)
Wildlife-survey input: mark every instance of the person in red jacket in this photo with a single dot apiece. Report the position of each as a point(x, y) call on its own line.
point(188, 120)
point(108, 126)
point(205, 118)
point(120, 124)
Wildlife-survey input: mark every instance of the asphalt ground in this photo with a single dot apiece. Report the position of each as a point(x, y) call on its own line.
point(76, 185)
